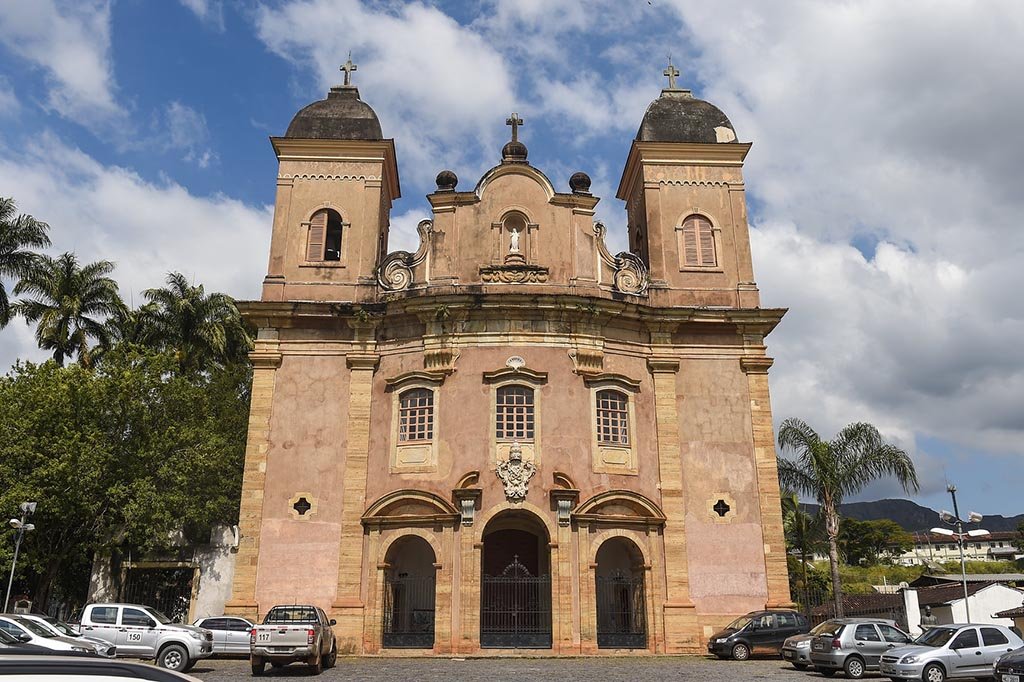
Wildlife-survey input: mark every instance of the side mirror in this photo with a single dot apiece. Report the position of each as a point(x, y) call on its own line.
point(333, 622)
point(152, 623)
point(24, 637)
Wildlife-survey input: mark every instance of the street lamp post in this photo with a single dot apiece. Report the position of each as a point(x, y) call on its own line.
point(955, 521)
point(20, 525)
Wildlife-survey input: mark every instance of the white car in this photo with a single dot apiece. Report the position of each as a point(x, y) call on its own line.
point(31, 632)
point(62, 629)
point(230, 633)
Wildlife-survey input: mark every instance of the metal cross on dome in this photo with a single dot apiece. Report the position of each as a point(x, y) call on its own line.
point(348, 67)
point(671, 72)
point(515, 122)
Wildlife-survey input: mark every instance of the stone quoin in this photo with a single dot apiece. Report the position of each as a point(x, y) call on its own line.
point(511, 438)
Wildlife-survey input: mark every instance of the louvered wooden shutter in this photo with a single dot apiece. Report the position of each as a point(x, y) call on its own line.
point(707, 243)
point(317, 228)
point(690, 256)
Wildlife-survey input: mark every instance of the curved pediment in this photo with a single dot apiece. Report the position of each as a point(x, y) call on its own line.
point(620, 507)
point(409, 507)
point(506, 170)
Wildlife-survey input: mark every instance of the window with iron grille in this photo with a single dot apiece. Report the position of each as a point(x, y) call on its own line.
point(416, 415)
point(514, 413)
point(612, 418)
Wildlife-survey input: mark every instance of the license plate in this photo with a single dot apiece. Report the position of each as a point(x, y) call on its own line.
point(819, 646)
point(1011, 678)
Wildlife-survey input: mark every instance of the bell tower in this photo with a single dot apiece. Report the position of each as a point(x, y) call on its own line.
point(685, 204)
point(336, 182)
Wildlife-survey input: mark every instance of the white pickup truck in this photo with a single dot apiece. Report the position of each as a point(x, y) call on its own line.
point(293, 633)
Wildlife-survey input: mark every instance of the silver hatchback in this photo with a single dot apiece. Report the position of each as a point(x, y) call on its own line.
point(855, 647)
point(950, 652)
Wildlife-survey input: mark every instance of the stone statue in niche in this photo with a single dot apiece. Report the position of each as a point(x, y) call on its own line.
point(515, 473)
point(513, 246)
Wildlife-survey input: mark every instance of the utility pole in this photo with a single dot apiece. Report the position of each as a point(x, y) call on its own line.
point(956, 522)
point(27, 510)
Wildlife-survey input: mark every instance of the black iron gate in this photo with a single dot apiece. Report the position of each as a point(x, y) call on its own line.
point(409, 612)
point(168, 590)
point(621, 612)
point(515, 609)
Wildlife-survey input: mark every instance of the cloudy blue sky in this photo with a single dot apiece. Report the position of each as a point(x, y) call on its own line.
point(884, 181)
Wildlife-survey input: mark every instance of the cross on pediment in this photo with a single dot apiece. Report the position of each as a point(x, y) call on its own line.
point(672, 72)
point(348, 67)
point(721, 508)
point(302, 506)
point(515, 122)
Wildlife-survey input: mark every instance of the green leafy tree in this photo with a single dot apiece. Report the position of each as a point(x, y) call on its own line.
point(1019, 540)
point(871, 542)
point(19, 235)
point(69, 304)
point(804, 535)
point(120, 457)
point(203, 330)
point(830, 471)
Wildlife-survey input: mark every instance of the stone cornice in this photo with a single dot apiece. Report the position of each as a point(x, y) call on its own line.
point(347, 151)
point(611, 378)
point(423, 376)
point(677, 153)
point(756, 365)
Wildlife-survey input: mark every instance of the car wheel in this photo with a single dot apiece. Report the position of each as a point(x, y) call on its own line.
point(741, 652)
point(317, 666)
point(933, 672)
point(827, 672)
point(332, 658)
point(854, 667)
point(258, 666)
point(173, 657)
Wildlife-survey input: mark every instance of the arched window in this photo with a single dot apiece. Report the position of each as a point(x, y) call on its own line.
point(416, 415)
point(324, 243)
point(612, 418)
point(698, 243)
point(514, 413)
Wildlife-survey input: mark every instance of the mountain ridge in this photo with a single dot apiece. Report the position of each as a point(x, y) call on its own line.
point(911, 516)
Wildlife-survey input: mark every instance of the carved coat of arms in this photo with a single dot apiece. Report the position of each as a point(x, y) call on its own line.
point(515, 473)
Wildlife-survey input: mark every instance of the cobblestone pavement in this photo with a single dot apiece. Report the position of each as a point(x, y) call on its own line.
point(625, 669)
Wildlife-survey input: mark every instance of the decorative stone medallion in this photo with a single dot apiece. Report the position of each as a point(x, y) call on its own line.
point(515, 473)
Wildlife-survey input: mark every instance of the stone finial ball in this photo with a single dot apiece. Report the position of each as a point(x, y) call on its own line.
point(446, 181)
point(580, 183)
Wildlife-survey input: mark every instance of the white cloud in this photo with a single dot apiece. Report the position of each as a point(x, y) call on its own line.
point(147, 229)
point(9, 104)
point(210, 12)
point(186, 131)
point(434, 83)
point(70, 41)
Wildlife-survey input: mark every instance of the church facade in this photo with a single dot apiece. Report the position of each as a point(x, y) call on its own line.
point(511, 438)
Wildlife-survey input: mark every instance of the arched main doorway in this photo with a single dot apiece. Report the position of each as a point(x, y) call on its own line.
point(515, 586)
point(409, 585)
point(621, 606)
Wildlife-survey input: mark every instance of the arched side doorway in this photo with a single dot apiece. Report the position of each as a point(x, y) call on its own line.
point(515, 585)
point(409, 595)
point(619, 592)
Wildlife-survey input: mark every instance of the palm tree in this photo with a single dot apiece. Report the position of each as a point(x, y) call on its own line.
point(17, 236)
point(203, 330)
point(831, 471)
point(803, 533)
point(69, 304)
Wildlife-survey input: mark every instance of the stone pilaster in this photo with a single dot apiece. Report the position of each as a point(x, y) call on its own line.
point(348, 605)
point(680, 624)
point(265, 358)
point(756, 369)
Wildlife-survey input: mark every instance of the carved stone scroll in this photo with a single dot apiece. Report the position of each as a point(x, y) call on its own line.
point(395, 271)
point(631, 275)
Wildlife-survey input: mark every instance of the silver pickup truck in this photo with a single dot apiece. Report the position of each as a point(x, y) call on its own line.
point(293, 633)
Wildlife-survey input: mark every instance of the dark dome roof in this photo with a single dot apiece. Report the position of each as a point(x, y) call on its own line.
point(342, 116)
point(678, 116)
point(514, 151)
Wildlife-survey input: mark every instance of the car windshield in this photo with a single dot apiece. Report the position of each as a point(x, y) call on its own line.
point(936, 637)
point(35, 628)
point(739, 623)
point(829, 627)
point(64, 628)
point(42, 622)
point(291, 614)
point(160, 618)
